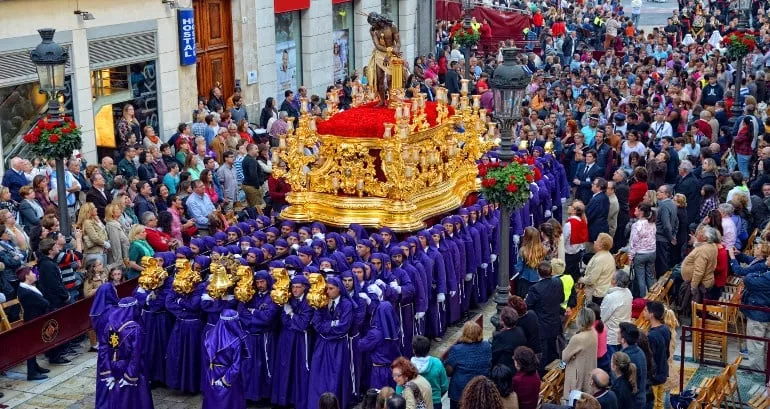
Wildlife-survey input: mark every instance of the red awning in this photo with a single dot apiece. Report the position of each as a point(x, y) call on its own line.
point(282, 6)
point(505, 24)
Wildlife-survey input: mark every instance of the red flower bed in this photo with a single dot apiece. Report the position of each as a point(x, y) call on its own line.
point(367, 121)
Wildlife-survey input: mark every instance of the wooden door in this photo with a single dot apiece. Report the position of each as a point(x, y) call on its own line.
point(214, 42)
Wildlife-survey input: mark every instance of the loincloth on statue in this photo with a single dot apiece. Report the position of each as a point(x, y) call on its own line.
point(377, 61)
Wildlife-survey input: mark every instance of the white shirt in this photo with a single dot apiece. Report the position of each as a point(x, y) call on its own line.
point(566, 233)
point(729, 232)
point(616, 308)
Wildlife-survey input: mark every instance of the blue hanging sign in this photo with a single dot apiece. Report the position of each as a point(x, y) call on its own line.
point(186, 21)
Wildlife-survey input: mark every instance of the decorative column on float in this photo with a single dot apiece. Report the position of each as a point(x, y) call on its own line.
point(507, 183)
point(54, 136)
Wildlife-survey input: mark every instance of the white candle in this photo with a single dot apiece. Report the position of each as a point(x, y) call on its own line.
point(282, 141)
point(408, 171)
point(464, 88)
point(404, 132)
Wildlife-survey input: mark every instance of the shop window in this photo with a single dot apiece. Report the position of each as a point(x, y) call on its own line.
point(343, 40)
point(113, 88)
point(288, 52)
point(390, 10)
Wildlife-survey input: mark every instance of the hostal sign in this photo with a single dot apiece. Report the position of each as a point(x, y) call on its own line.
point(186, 21)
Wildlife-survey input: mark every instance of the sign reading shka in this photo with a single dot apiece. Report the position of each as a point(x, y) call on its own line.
point(186, 21)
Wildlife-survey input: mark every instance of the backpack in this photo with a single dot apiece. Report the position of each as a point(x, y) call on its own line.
point(417, 395)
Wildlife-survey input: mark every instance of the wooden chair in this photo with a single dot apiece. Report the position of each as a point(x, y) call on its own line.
point(715, 346)
point(552, 384)
point(749, 249)
point(759, 400)
point(5, 324)
point(732, 294)
point(580, 297)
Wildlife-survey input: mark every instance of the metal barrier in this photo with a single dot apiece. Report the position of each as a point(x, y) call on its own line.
point(690, 329)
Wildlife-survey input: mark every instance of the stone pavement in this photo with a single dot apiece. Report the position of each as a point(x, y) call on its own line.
point(72, 386)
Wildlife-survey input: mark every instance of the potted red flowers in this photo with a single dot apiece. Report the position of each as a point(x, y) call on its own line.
point(467, 38)
point(508, 183)
point(54, 139)
point(739, 44)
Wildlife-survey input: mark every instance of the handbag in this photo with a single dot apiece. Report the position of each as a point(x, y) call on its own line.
point(417, 395)
point(731, 159)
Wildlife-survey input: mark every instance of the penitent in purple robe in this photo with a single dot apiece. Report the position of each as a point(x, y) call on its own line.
point(416, 273)
point(259, 318)
point(449, 253)
point(223, 353)
point(291, 371)
point(406, 304)
point(381, 344)
point(105, 300)
point(158, 324)
point(127, 384)
point(434, 268)
point(356, 329)
point(330, 367)
point(183, 355)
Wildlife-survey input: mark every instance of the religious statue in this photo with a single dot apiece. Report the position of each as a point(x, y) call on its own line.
point(387, 44)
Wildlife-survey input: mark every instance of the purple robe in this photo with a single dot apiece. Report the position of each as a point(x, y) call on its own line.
point(405, 308)
point(381, 344)
point(484, 248)
point(223, 356)
point(436, 315)
point(157, 323)
point(183, 356)
point(259, 318)
point(291, 372)
point(330, 366)
point(356, 329)
point(105, 300)
point(212, 308)
point(129, 387)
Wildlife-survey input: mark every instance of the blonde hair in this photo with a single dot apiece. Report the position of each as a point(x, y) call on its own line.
point(532, 250)
point(85, 214)
point(680, 200)
point(558, 266)
point(603, 242)
point(111, 210)
point(651, 197)
point(740, 201)
point(135, 231)
point(472, 333)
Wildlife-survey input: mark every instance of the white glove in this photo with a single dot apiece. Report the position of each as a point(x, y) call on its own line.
point(335, 323)
point(516, 238)
point(365, 297)
point(206, 297)
point(419, 315)
point(531, 195)
point(228, 297)
point(547, 214)
point(441, 297)
point(553, 208)
point(374, 289)
point(295, 246)
point(452, 293)
point(484, 265)
point(308, 242)
point(493, 257)
point(151, 296)
point(396, 287)
point(468, 277)
point(380, 283)
point(107, 245)
point(219, 383)
point(123, 382)
point(287, 309)
point(563, 200)
point(110, 381)
point(319, 236)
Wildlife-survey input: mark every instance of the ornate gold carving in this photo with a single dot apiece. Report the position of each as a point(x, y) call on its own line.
point(186, 278)
point(281, 285)
point(316, 295)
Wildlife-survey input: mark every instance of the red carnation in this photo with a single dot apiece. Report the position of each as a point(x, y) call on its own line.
point(482, 171)
point(538, 174)
point(494, 164)
point(512, 188)
point(54, 138)
point(529, 178)
point(28, 138)
point(530, 160)
point(35, 132)
point(66, 130)
point(490, 182)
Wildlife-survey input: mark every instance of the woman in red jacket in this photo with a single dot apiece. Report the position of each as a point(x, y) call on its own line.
point(638, 189)
point(278, 188)
point(742, 144)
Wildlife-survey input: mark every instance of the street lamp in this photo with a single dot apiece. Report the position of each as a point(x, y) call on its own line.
point(50, 58)
point(744, 8)
point(468, 6)
point(509, 83)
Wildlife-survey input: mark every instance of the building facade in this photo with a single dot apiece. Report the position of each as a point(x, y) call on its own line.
point(140, 52)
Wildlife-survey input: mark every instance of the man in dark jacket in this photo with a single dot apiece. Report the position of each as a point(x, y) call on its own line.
point(659, 337)
point(52, 286)
point(629, 336)
point(598, 210)
point(689, 186)
point(253, 178)
point(667, 225)
point(98, 194)
point(756, 292)
point(453, 79)
point(545, 298)
point(621, 192)
point(34, 305)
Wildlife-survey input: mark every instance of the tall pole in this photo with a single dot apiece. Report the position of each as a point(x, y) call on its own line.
point(61, 189)
point(503, 289)
point(743, 24)
point(467, 48)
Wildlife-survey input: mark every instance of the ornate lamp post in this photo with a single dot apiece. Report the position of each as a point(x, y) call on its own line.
point(468, 6)
point(744, 8)
point(509, 84)
point(50, 59)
